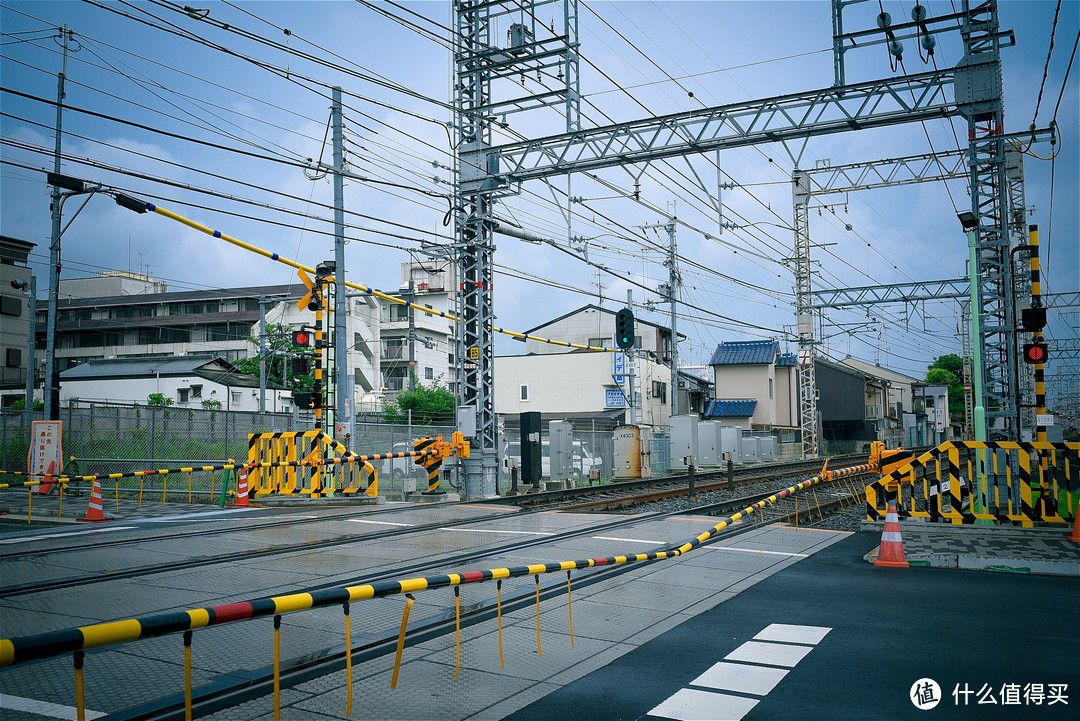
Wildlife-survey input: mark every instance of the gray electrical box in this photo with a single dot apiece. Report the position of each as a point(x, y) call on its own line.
point(708, 443)
point(749, 448)
point(561, 440)
point(684, 440)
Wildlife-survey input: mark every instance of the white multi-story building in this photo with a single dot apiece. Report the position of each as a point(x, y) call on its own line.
point(554, 379)
point(413, 340)
point(126, 315)
point(14, 317)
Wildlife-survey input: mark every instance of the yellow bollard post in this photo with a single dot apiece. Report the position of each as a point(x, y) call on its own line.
point(498, 618)
point(277, 667)
point(187, 676)
point(117, 495)
point(60, 496)
point(140, 490)
point(211, 485)
point(348, 662)
point(409, 600)
point(164, 488)
point(80, 701)
point(570, 609)
point(457, 631)
point(189, 487)
point(539, 651)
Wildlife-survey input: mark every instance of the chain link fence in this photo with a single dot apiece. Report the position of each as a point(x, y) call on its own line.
point(114, 438)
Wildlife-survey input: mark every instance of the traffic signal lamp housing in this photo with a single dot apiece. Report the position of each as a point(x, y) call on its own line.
point(1033, 319)
point(307, 401)
point(624, 329)
point(301, 338)
point(1036, 353)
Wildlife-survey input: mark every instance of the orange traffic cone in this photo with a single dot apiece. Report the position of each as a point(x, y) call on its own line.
point(48, 481)
point(241, 490)
point(93, 510)
point(891, 550)
point(1075, 537)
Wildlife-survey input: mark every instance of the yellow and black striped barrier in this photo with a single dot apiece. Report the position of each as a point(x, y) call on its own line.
point(999, 482)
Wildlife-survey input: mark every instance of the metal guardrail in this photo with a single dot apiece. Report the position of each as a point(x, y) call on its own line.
point(965, 482)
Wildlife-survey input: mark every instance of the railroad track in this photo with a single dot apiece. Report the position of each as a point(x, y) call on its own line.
point(642, 490)
point(229, 692)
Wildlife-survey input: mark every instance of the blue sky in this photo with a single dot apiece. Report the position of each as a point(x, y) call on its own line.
point(131, 64)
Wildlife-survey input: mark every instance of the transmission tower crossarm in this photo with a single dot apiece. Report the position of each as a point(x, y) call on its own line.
point(876, 103)
point(927, 167)
point(894, 293)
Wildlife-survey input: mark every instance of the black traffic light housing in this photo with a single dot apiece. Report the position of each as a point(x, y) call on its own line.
point(1036, 352)
point(300, 366)
point(301, 338)
point(624, 329)
point(305, 401)
point(1032, 319)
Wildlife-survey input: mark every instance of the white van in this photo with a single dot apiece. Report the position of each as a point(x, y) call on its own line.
point(582, 460)
point(401, 468)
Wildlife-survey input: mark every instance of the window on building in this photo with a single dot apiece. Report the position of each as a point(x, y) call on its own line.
point(236, 397)
point(196, 391)
point(770, 388)
point(11, 305)
point(182, 395)
point(525, 392)
point(659, 390)
point(12, 357)
point(393, 348)
point(151, 336)
point(429, 374)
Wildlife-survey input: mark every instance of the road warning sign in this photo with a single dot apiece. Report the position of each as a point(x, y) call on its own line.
point(46, 452)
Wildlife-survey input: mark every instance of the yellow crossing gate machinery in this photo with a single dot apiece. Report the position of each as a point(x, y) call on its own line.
point(308, 463)
point(988, 482)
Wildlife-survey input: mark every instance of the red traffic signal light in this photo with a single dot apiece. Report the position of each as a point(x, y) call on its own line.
point(301, 338)
point(1036, 353)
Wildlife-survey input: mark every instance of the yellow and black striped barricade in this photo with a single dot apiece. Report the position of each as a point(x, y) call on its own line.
point(965, 482)
point(430, 463)
point(274, 460)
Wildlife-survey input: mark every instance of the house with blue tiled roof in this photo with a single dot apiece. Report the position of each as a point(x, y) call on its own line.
point(755, 385)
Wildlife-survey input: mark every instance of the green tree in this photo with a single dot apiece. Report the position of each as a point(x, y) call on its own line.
point(949, 370)
point(21, 404)
point(428, 405)
point(158, 399)
point(281, 352)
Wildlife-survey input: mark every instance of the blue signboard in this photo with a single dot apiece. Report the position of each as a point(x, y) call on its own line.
point(614, 398)
point(618, 367)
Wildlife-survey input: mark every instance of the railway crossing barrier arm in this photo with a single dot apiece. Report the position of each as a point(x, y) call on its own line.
point(20, 649)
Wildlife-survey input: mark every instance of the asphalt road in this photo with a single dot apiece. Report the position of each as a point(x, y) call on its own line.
point(979, 635)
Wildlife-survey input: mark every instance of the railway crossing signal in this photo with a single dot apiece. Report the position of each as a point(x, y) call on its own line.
point(624, 329)
point(1036, 353)
point(1033, 319)
point(301, 338)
